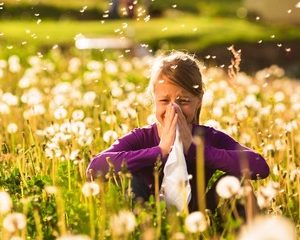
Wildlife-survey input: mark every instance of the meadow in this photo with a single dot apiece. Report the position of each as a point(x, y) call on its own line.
point(60, 106)
point(58, 110)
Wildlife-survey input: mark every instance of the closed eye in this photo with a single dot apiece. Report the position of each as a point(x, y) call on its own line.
point(183, 101)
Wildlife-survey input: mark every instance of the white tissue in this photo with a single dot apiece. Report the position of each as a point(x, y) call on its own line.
point(175, 185)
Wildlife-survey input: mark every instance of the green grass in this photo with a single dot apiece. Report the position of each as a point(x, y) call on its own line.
point(182, 32)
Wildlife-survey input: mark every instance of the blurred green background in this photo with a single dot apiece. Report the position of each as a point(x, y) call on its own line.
point(204, 27)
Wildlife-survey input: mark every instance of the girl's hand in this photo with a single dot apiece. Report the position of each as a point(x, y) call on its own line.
point(185, 130)
point(167, 130)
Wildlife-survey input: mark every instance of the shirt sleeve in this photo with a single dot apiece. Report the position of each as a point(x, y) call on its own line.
point(225, 154)
point(131, 149)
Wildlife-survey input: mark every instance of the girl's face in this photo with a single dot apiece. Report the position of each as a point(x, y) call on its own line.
point(166, 93)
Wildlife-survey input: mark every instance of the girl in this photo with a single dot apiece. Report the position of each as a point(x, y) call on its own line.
point(177, 89)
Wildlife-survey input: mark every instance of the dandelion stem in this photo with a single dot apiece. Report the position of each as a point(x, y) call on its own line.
point(69, 174)
point(38, 225)
point(91, 216)
point(157, 201)
point(200, 173)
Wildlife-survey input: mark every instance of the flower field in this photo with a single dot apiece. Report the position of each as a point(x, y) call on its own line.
point(59, 110)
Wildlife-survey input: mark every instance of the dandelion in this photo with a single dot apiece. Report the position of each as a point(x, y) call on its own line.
point(294, 173)
point(116, 91)
point(110, 135)
point(60, 113)
point(85, 140)
point(10, 99)
point(111, 67)
point(4, 108)
point(14, 221)
point(196, 222)
point(123, 223)
point(268, 227)
point(14, 64)
point(12, 128)
point(266, 194)
point(88, 98)
point(74, 65)
point(6, 203)
point(77, 115)
point(90, 189)
point(228, 186)
point(279, 108)
point(51, 190)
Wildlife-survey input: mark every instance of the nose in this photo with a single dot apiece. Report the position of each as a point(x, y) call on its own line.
point(176, 106)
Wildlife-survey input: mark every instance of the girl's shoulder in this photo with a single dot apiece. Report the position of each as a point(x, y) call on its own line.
point(205, 130)
point(148, 131)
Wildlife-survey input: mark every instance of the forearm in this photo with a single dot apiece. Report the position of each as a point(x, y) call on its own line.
point(230, 161)
point(135, 160)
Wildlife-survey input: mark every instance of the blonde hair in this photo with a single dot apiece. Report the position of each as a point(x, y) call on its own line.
point(181, 69)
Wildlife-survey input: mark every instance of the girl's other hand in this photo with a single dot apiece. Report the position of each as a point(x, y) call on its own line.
point(167, 130)
point(185, 130)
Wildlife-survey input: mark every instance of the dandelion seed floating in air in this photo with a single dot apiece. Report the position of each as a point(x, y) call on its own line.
point(83, 9)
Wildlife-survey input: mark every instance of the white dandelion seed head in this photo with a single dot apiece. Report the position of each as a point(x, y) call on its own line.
point(60, 113)
point(12, 128)
point(74, 65)
point(279, 96)
point(77, 115)
point(196, 222)
point(32, 96)
point(266, 194)
point(268, 227)
point(217, 111)
point(110, 135)
point(14, 64)
point(279, 108)
point(213, 123)
point(116, 91)
point(14, 221)
point(294, 174)
point(6, 202)
point(51, 190)
point(151, 118)
point(123, 223)
point(10, 99)
point(90, 189)
point(89, 98)
point(228, 186)
point(208, 98)
point(111, 67)
point(4, 108)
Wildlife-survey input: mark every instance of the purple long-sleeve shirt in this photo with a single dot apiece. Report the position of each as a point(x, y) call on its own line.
point(140, 150)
